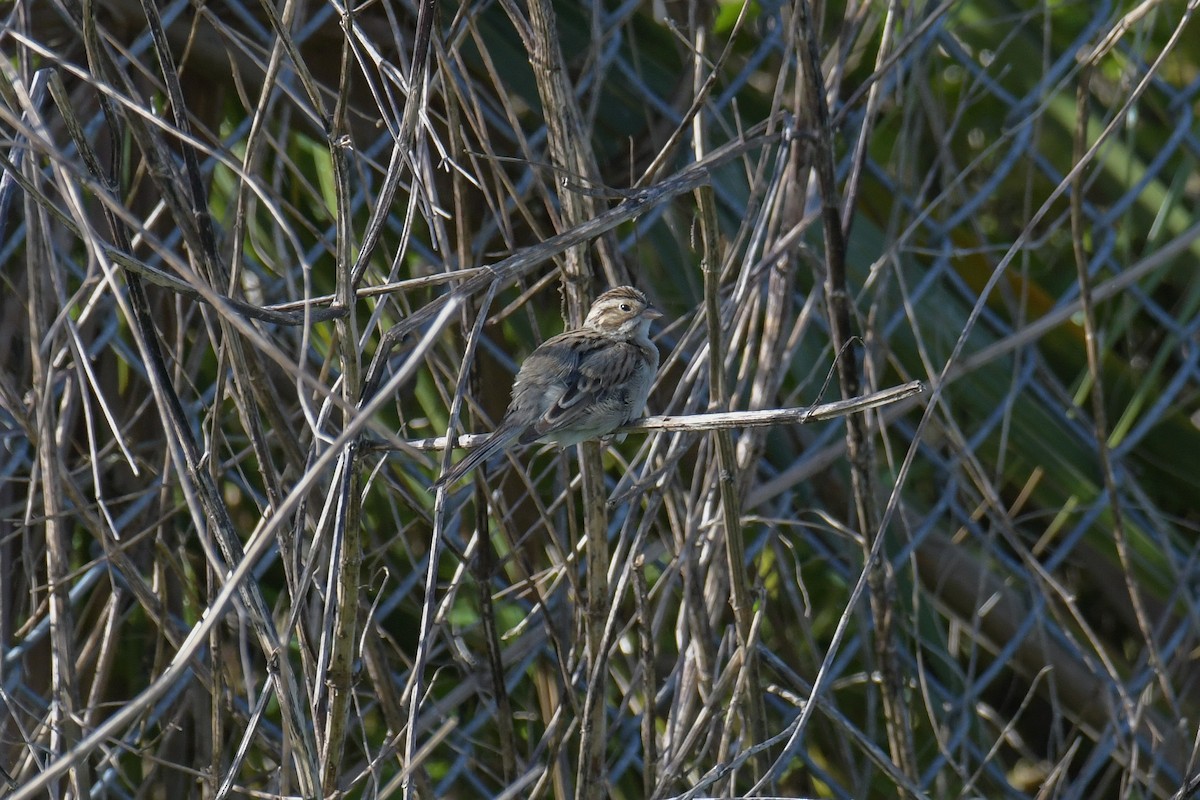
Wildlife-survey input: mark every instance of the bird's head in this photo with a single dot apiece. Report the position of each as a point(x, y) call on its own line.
point(623, 311)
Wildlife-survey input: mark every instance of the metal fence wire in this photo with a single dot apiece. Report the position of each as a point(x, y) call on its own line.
point(255, 258)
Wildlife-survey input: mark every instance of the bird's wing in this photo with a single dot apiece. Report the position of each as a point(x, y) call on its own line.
point(592, 371)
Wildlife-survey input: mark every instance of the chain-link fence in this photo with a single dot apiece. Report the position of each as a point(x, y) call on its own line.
point(254, 257)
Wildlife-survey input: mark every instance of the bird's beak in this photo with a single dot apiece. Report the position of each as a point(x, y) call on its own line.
point(651, 312)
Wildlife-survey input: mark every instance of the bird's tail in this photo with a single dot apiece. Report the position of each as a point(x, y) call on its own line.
point(499, 440)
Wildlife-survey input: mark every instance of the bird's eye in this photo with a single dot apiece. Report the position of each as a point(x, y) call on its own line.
point(626, 307)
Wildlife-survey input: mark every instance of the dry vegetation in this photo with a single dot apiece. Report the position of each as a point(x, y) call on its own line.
point(250, 252)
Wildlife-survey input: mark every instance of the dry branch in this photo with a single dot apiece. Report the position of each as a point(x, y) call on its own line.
point(695, 423)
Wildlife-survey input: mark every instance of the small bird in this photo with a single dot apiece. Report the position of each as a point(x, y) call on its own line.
point(582, 384)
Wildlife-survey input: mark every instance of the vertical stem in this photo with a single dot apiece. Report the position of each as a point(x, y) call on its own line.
point(64, 716)
point(484, 567)
point(641, 594)
point(811, 102)
point(727, 465)
point(593, 730)
point(346, 558)
point(735, 555)
point(1099, 412)
point(570, 150)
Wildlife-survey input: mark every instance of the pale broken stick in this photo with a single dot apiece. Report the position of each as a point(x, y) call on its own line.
point(723, 419)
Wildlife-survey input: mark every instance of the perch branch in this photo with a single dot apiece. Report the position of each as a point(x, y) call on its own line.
point(725, 419)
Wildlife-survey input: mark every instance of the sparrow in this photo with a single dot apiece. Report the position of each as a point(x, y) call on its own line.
point(581, 384)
